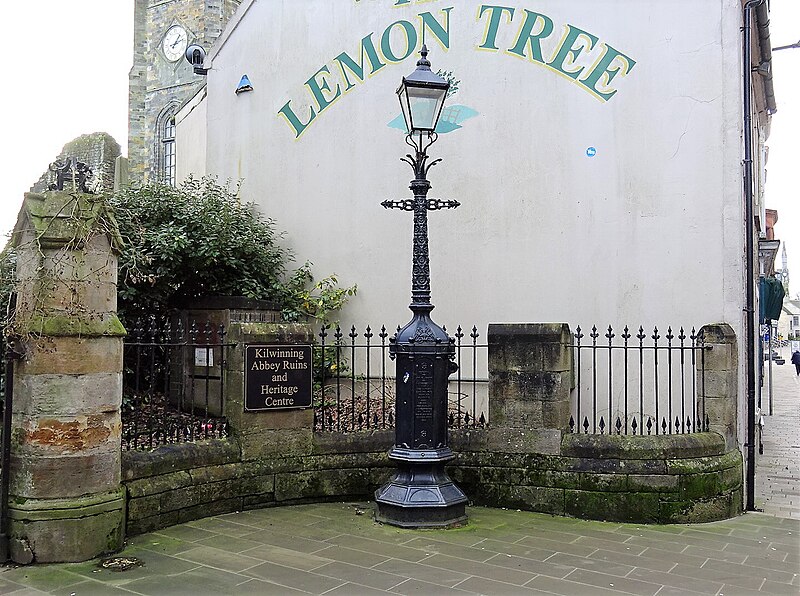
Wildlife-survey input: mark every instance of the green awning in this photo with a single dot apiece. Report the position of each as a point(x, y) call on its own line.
point(771, 294)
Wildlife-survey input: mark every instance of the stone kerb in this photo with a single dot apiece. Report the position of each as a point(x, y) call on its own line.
point(717, 382)
point(66, 502)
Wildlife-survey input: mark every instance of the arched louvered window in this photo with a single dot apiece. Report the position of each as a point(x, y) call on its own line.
point(168, 150)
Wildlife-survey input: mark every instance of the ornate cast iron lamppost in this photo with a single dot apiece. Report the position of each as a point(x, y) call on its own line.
point(420, 494)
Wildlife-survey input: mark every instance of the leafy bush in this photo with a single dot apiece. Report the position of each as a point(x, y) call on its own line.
point(8, 263)
point(197, 240)
point(200, 239)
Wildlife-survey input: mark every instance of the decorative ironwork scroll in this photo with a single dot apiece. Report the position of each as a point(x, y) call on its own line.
point(71, 169)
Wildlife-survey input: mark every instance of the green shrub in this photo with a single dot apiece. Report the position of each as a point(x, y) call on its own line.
point(200, 239)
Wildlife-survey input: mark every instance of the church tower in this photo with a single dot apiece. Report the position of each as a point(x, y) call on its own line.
point(784, 275)
point(161, 79)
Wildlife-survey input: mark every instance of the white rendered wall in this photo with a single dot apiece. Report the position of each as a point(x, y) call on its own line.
point(647, 231)
point(191, 137)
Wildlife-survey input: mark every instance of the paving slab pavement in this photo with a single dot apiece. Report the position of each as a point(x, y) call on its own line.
point(778, 468)
point(337, 548)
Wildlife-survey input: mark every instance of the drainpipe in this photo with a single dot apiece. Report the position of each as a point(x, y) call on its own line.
point(749, 309)
point(765, 49)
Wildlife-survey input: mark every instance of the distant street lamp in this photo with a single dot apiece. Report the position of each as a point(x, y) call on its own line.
point(421, 494)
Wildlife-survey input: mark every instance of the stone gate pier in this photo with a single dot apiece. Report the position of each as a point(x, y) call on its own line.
point(66, 502)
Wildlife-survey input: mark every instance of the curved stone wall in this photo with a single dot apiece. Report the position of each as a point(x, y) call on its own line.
point(527, 460)
point(658, 479)
point(650, 479)
point(179, 483)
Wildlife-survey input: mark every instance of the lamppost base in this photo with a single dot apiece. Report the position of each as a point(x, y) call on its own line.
point(421, 495)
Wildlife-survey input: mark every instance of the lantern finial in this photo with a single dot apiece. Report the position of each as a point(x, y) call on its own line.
point(424, 62)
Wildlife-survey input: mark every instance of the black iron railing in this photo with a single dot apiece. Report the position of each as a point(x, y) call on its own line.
point(638, 383)
point(3, 369)
point(354, 386)
point(173, 384)
point(6, 395)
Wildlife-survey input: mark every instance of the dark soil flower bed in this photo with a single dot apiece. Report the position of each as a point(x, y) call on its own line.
point(150, 421)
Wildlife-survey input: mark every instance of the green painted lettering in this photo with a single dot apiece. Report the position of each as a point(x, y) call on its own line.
point(496, 13)
point(357, 69)
point(319, 87)
point(568, 50)
point(411, 41)
point(402, 2)
point(442, 32)
point(605, 70)
point(293, 121)
point(527, 38)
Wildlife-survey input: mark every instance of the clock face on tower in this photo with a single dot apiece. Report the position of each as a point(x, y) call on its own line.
point(174, 43)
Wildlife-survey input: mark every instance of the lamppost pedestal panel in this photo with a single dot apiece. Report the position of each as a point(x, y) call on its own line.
point(420, 494)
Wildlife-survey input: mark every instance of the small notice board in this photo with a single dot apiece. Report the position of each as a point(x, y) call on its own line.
point(277, 377)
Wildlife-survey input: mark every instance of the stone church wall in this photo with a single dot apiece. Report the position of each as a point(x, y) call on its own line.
point(156, 84)
point(97, 150)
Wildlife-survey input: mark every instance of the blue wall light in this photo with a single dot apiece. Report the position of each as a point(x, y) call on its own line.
point(244, 85)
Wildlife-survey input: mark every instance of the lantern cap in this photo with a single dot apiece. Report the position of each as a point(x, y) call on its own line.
point(423, 75)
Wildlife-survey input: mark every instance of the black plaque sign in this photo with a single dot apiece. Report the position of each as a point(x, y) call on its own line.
point(277, 377)
point(423, 405)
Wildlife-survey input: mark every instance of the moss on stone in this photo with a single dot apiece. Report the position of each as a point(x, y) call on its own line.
point(603, 482)
point(514, 476)
point(700, 511)
point(647, 447)
point(660, 483)
point(561, 479)
point(64, 217)
point(354, 442)
point(63, 325)
point(731, 478)
point(697, 465)
point(158, 484)
point(467, 477)
point(624, 507)
point(258, 501)
point(699, 486)
point(529, 498)
point(320, 484)
point(69, 536)
point(173, 458)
